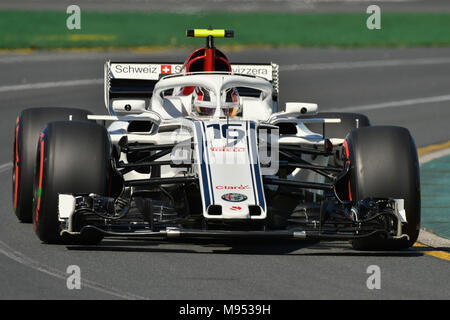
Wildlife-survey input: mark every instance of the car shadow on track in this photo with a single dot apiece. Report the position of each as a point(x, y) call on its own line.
point(247, 247)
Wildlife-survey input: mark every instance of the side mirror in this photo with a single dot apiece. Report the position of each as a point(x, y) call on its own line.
point(301, 108)
point(126, 106)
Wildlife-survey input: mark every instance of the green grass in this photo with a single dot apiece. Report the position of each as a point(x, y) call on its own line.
point(47, 29)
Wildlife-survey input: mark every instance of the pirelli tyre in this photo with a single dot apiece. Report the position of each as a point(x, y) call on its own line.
point(29, 124)
point(384, 164)
point(72, 157)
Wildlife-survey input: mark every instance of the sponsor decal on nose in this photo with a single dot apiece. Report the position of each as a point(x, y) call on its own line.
point(234, 197)
point(231, 187)
point(227, 149)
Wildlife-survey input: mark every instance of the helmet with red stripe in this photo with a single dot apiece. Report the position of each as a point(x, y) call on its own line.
point(204, 102)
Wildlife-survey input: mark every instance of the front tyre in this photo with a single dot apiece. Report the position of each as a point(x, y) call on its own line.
point(73, 157)
point(384, 164)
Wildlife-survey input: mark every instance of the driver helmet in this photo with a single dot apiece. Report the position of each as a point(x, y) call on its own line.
point(230, 103)
point(203, 102)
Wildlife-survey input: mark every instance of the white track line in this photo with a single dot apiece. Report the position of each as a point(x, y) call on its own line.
point(47, 85)
point(292, 67)
point(433, 155)
point(394, 104)
point(37, 57)
point(6, 167)
point(22, 259)
point(365, 64)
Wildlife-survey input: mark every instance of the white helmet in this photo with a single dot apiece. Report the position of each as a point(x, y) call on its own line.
point(230, 102)
point(204, 102)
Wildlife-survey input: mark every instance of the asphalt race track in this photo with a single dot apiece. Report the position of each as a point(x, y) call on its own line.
point(407, 87)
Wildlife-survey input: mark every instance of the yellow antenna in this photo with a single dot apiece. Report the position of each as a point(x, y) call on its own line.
point(204, 33)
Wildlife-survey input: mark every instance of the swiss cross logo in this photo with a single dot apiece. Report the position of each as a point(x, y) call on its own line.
point(235, 208)
point(166, 69)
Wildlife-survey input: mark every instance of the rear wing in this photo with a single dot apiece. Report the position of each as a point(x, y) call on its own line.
point(134, 81)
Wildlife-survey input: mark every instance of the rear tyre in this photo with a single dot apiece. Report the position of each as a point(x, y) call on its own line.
point(28, 126)
point(384, 164)
point(73, 157)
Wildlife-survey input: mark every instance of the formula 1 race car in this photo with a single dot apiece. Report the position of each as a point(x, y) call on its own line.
point(203, 150)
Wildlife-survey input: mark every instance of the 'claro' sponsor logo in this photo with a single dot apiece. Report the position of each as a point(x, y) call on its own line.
point(234, 197)
point(236, 187)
